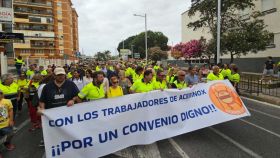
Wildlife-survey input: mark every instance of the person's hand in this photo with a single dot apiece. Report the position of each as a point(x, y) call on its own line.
point(40, 111)
point(11, 123)
point(70, 103)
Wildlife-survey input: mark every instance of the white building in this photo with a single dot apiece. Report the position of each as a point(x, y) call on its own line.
point(250, 62)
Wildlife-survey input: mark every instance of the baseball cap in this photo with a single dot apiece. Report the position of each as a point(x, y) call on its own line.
point(59, 71)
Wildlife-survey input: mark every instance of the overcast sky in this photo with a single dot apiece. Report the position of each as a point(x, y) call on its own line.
point(104, 23)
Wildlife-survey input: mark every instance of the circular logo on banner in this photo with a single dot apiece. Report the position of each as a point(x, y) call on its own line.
point(226, 99)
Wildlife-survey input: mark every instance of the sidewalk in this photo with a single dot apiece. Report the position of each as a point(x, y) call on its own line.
point(262, 97)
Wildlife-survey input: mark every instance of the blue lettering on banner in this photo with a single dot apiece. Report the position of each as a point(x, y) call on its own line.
point(61, 122)
point(150, 125)
point(57, 150)
point(198, 112)
point(135, 106)
point(193, 94)
point(108, 136)
point(87, 116)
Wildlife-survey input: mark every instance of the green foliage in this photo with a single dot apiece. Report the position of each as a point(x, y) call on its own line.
point(238, 35)
point(103, 56)
point(138, 42)
point(156, 54)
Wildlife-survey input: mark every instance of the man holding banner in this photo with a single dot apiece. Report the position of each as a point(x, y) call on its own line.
point(143, 85)
point(59, 92)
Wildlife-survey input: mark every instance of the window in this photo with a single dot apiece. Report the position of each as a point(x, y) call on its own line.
point(268, 6)
point(59, 12)
point(271, 43)
point(59, 4)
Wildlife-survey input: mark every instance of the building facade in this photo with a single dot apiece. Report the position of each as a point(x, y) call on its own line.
point(271, 12)
point(47, 26)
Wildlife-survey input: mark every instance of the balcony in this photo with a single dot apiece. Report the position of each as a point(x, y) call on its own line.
point(21, 20)
point(34, 12)
point(33, 4)
point(34, 29)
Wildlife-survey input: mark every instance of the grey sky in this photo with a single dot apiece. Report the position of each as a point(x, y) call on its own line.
point(104, 23)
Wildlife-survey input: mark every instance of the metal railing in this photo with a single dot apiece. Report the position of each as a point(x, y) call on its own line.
point(34, 3)
point(258, 85)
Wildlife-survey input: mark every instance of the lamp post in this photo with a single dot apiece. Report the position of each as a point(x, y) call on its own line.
point(218, 31)
point(132, 51)
point(146, 36)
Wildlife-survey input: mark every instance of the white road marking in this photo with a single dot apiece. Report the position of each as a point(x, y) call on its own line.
point(276, 117)
point(22, 125)
point(261, 102)
point(259, 127)
point(44, 155)
point(178, 148)
point(240, 146)
point(147, 151)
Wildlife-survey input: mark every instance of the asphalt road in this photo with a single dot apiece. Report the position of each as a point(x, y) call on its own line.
point(255, 136)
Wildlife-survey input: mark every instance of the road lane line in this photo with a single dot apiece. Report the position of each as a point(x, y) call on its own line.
point(240, 146)
point(261, 102)
point(268, 131)
point(22, 125)
point(178, 148)
point(147, 151)
point(44, 155)
point(276, 117)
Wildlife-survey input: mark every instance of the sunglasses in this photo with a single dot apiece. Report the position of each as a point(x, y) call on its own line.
point(115, 82)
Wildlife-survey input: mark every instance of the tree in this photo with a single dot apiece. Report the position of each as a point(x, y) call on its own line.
point(154, 39)
point(176, 54)
point(156, 54)
point(193, 48)
point(103, 56)
point(230, 20)
point(251, 36)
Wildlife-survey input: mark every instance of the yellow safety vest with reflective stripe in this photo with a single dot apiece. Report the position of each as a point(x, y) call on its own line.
point(91, 92)
point(180, 85)
point(29, 73)
point(226, 73)
point(213, 77)
point(137, 77)
point(140, 86)
point(22, 84)
point(160, 85)
point(234, 78)
point(19, 62)
point(10, 92)
point(44, 72)
point(69, 75)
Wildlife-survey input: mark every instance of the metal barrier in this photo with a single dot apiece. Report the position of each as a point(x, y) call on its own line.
point(256, 84)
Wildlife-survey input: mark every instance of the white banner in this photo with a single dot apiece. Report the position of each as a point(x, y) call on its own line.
point(101, 127)
point(6, 14)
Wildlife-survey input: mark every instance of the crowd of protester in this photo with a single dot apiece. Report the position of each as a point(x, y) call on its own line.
point(44, 88)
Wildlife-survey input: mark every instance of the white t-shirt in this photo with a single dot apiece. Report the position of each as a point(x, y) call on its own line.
point(40, 89)
point(79, 83)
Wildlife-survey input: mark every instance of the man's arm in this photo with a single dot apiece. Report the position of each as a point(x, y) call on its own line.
point(41, 108)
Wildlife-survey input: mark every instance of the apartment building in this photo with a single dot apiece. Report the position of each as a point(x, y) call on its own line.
point(251, 62)
point(48, 29)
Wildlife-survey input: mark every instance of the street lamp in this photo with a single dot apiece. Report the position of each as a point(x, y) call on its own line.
point(132, 51)
point(218, 31)
point(146, 38)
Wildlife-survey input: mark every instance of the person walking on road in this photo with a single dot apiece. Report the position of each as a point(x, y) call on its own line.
point(59, 92)
point(6, 121)
point(215, 75)
point(115, 90)
point(143, 85)
point(269, 66)
point(180, 82)
point(95, 89)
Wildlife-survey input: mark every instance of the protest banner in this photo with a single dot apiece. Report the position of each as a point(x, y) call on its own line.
point(101, 127)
